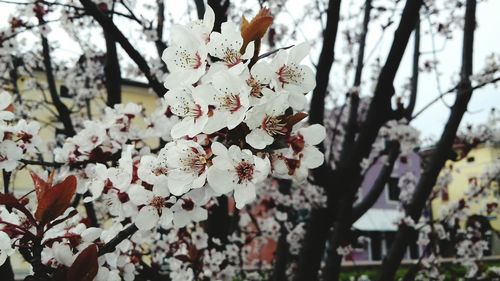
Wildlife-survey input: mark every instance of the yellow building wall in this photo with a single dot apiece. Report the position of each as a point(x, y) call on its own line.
point(463, 170)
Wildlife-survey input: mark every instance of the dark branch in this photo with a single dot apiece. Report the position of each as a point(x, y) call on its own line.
point(325, 61)
point(112, 72)
point(414, 78)
point(378, 185)
point(200, 8)
point(118, 36)
point(122, 235)
point(62, 110)
point(440, 154)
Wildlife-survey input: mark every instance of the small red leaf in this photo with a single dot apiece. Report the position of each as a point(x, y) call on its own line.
point(41, 186)
point(85, 266)
point(55, 200)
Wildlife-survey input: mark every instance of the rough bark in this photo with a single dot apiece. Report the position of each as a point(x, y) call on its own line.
point(112, 72)
point(440, 153)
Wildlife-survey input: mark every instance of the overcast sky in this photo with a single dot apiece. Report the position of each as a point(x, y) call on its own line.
point(432, 121)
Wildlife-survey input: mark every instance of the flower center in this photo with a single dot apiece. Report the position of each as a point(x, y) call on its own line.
point(194, 161)
point(187, 60)
point(230, 102)
point(187, 205)
point(274, 126)
point(256, 88)
point(193, 111)
point(158, 171)
point(290, 74)
point(158, 203)
point(232, 57)
point(245, 171)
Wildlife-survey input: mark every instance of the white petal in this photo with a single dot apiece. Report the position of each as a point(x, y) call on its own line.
point(147, 218)
point(244, 194)
point(262, 72)
point(161, 190)
point(259, 139)
point(220, 181)
point(218, 148)
point(139, 195)
point(313, 134)
point(312, 157)
point(299, 52)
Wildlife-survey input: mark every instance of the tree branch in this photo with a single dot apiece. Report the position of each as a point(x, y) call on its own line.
point(325, 61)
point(440, 154)
point(122, 235)
point(378, 185)
point(118, 36)
point(414, 78)
point(112, 72)
point(62, 110)
point(200, 8)
point(378, 113)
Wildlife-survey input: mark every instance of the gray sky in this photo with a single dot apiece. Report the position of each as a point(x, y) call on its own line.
point(430, 123)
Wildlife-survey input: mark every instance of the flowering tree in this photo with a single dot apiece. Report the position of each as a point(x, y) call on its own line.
point(229, 163)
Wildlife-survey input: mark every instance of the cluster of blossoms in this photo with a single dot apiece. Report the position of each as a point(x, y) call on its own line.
point(18, 137)
point(228, 122)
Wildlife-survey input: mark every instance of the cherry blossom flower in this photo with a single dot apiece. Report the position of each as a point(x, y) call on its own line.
point(27, 132)
point(187, 103)
point(187, 164)
point(291, 76)
point(92, 136)
point(226, 46)
point(187, 210)
point(266, 122)
point(238, 170)
point(259, 78)
point(304, 144)
point(230, 101)
point(97, 177)
point(203, 28)
point(185, 58)
point(156, 206)
point(121, 176)
point(10, 154)
point(152, 170)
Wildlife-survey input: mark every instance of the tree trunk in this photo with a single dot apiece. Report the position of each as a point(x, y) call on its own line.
point(440, 153)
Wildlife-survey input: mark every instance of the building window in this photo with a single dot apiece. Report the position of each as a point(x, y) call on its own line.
point(393, 189)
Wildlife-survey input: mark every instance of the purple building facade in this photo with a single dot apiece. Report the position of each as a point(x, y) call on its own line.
point(376, 229)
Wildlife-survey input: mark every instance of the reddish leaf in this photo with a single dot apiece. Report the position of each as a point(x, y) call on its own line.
point(41, 186)
point(256, 28)
point(85, 266)
point(55, 200)
point(294, 119)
